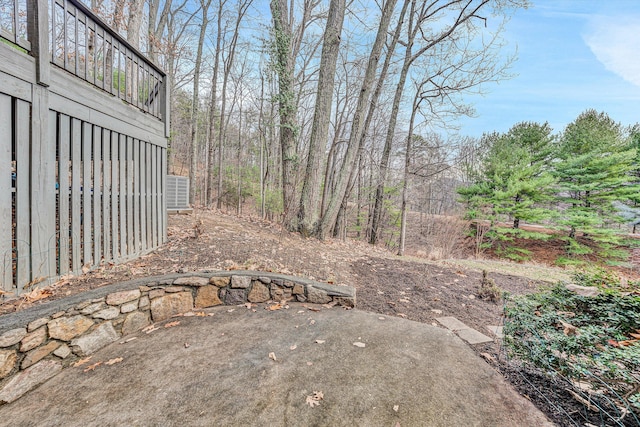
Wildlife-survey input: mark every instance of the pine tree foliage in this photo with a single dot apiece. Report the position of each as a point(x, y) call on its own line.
point(515, 182)
point(594, 171)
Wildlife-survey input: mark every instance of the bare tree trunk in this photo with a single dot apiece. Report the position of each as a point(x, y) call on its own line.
point(155, 27)
point(214, 119)
point(308, 210)
point(329, 217)
point(286, 106)
point(227, 67)
point(405, 184)
point(195, 101)
point(135, 22)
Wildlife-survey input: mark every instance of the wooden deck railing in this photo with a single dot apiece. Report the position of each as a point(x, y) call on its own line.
point(79, 42)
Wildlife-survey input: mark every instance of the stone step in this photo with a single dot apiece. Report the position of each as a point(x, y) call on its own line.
point(468, 334)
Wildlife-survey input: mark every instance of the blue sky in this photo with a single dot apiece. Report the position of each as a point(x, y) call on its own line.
point(572, 55)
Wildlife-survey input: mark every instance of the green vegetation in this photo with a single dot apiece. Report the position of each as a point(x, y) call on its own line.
point(584, 182)
point(594, 341)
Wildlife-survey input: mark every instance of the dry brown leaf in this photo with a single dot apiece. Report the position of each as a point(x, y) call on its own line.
point(274, 307)
point(37, 294)
point(82, 362)
point(92, 367)
point(113, 361)
point(315, 398)
point(172, 324)
point(637, 336)
point(569, 329)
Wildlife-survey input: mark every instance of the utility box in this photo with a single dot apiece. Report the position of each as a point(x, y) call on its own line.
point(177, 191)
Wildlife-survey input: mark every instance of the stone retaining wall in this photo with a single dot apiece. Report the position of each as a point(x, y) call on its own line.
point(37, 343)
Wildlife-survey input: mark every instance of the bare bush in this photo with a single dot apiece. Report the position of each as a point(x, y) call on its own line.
point(442, 237)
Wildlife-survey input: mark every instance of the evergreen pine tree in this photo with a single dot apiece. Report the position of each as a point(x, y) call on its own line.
point(595, 168)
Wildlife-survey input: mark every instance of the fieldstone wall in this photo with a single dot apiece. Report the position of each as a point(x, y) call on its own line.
point(37, 343)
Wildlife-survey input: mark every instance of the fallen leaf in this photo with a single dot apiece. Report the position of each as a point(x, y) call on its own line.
point(359, 344)
point(189, 314)
point(37, 294)
point(172, 324)
point(272, 356)
point(635, 335)
point(613, 343)
point(315, 398)
point(569, 329)
point(113, 361)
point(92, 367)
point(82, 362)
point(488, 357)
point(311, 308)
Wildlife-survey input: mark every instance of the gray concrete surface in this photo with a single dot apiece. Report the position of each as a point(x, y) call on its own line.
point(217, 371)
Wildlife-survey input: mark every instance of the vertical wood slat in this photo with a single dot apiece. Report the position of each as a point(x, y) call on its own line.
point(150, 213)
point(154, 195)
point(76, 185)
point(64, 139)
point(115, 189)
point(87, 185)
point(143, 196)
point(163, 187)
point(43, 203)
point(130, 204)
point(136, 196)
point(23, 223)
point(22, 248)
point(97, 195)
point(121, 196)
point(106, 194)
point(6, 254)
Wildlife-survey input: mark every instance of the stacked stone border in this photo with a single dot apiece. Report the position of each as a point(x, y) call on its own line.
point(37, 343)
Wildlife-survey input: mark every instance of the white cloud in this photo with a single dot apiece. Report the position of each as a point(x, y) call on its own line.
point(615, 41)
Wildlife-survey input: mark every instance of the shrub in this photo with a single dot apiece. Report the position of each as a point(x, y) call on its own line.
point(488, 289)
point(593, 340)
